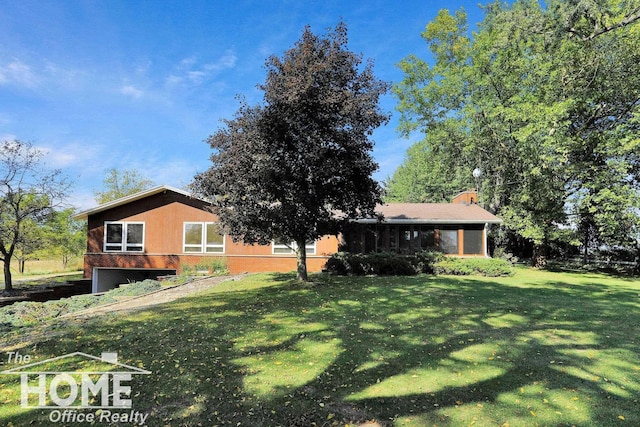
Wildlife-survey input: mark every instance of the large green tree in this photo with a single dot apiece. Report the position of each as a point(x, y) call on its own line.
point(426, 174)
point(120, 183)
point(64, 236)
point(29, 192)
point(545, 100)
point(31, 241)
point(283, 169)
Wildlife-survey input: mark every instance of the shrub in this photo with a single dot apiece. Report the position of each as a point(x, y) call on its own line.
point(137, 288)
point(492, 267)
point(429, 262)
point(423, 262)
point(214, 265)
point(389, 264)
point(384, 264)
point(29, 313)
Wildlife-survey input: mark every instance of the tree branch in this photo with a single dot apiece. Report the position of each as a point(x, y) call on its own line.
point(629, 19)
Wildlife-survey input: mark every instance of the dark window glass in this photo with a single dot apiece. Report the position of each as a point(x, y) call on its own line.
point(404, 235)
point(427, 238)
point(393, 238)
point(449, 241)
point(473, 242)
point(135, 236)
point(370, 239)
point(381, 245)
point(114, 233)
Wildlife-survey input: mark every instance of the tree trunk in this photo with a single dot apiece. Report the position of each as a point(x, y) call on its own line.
point(585, 254)
point(8, 285)
point(301, 253)
point(21, 262)
point(540, 253)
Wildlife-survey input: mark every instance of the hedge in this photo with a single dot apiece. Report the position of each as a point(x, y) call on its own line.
point(383, 264)
point(491, 267)
point(427, 262)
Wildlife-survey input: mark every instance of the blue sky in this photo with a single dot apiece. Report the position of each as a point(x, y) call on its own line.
point(140, 85)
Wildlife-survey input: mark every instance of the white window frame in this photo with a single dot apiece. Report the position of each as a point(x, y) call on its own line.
point(124, 246)
point(203, 247)
point(288, 249)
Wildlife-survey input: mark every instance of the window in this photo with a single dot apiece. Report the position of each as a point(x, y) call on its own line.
point(427, 238)
point(280, 247)
point(124, 236)
point(449, 241)
point(473, 242)
point(393, 238)
point(202, 237)
point(409, 239)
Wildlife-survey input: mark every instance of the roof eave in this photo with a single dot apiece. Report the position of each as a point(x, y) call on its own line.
point(429, 221)
point(128, 199)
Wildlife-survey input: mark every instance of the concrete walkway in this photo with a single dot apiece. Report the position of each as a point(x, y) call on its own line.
point(160, 296)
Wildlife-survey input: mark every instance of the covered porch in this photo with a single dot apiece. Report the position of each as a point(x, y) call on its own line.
point(458, 229)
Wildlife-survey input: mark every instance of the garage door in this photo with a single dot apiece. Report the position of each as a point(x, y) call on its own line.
point(105, 279)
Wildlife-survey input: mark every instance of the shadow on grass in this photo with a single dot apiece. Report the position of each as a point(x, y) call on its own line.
point(401, 351)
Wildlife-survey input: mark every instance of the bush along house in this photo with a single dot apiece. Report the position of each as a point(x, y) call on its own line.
point(166, 230)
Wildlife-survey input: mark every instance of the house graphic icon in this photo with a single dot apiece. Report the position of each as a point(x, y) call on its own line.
point(100, 382)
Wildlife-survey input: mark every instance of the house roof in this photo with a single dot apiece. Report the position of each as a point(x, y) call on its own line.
point(128, 199)
point(433, 213)
point(111, 359)
point(394, 213)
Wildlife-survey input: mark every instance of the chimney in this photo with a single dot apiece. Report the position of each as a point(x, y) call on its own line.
point(109, 357)
point(469, 197)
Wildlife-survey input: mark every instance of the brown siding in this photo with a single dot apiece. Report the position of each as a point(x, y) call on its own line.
point(164, 215)
point(235, 264)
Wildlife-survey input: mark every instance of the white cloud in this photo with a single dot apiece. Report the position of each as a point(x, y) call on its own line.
point(227, 61)
point(18, 73)
point(173, 80)
point(132, 91)
point(189, 70)
point(77, 155)
point(69, 78)
point(143, 69)
point(187, 62)
point(58, 158)
point(196, 76)
point(8, 137)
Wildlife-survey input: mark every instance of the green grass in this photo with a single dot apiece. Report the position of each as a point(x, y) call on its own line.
point(45, 266)
point(41, 271)
point(537, 348)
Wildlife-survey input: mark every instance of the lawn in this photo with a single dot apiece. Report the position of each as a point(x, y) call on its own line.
point(45, 267)
point(537, 348)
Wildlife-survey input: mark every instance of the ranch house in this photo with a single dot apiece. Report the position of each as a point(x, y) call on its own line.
point(165, 230)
